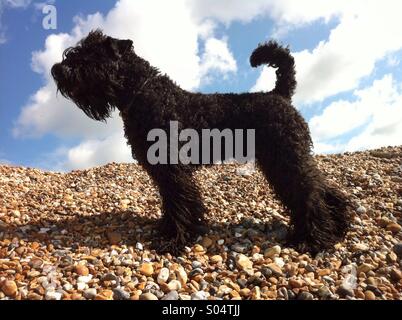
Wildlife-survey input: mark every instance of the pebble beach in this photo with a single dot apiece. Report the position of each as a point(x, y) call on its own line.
point(86, 235)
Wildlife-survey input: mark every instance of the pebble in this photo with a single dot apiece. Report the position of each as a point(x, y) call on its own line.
point(198, 248)
point(67, 286)
point(9, 288)
point(369, 295)
point(84, 279)
point(81, 286)
point(283, 292)
point(182, 275)
point(196, 264)
point(360, 247)
point(398, 249)
point(199, 295)
point(172, 295)
point(194, 272)
point(272, 252)
point(114, 237)
point(216, 259)
point(365, 267)
point(304, 295)
point(34, 296)
point(344, 291)
point(275, 269)
point(361, 210)
point(174, 285)
point(240, 248)
point(148, 296)
point(53, 295)
point(163, 275)
point(295, 283)
point(279, 262)
point(120, 294)
point(207, 242)
point(324, 292)
point(147, 269)
point(392, 257)
point(394, 227)
point(81, 270)
point(396, 274)
point(245, 264)
point(90, 293)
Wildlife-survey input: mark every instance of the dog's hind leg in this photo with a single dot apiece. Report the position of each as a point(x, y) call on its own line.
point(183, 209)
point(318, 211)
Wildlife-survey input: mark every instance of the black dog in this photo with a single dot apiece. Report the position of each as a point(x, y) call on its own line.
point(102, 73)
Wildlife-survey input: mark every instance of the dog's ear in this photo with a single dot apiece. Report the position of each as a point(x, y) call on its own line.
point(124, 45)
point(119, 47)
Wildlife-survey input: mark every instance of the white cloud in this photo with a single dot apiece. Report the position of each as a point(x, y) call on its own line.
point(217, 57)
point(266, 80)
point(89, 153)
point(294, 12)
point(378, 109)
point(47, 112)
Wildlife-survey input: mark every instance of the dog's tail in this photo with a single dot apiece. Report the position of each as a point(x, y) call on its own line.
point(276, 56)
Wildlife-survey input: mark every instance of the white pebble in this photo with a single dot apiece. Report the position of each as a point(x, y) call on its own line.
point(163, 275)
point(199, 295)
point(67, 286)
point(361, 210)
point(279, 262)
point(53, 295)
point(84, 279)
point(81, 286)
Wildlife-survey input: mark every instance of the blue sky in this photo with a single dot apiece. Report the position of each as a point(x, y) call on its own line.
point(347, 55)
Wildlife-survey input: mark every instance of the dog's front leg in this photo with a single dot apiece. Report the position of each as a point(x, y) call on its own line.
point(183, 209)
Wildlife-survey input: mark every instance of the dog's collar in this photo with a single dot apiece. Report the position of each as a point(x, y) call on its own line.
point(125, 110)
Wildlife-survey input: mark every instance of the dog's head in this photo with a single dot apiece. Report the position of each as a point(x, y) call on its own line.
point(93, 74)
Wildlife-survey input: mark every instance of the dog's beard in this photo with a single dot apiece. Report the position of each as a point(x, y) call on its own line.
point(92, 97)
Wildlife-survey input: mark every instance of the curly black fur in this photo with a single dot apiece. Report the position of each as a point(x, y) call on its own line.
point(102, 73)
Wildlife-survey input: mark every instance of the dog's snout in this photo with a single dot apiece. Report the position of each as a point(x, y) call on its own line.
point(57, 70)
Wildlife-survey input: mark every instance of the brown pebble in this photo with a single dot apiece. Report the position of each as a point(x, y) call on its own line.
point(360, 294)
point(9, 288)
point(198, 248)
point(207, 242)
point(81, 270)
point(394, 227)
point(396, 274)
point(34, 296)
point(369, 295)
point(323, 272)
point(114, 237)
point(295, 283)
point(215, 259)
point(147, 269)
point(245, 292)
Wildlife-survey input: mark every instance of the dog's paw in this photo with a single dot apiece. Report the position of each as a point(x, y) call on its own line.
point(171, 246)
